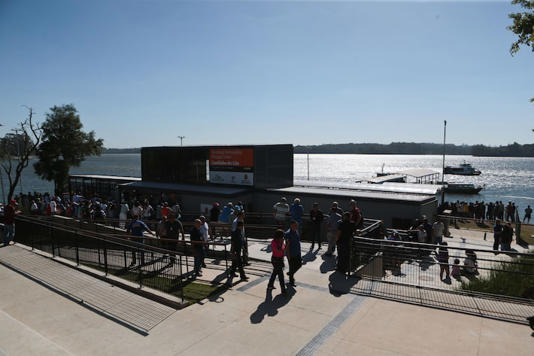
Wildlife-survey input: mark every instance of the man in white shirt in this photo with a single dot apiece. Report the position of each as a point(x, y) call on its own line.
point(205, 234)
point(437, 231)
point(281, 212)
point(53, 207)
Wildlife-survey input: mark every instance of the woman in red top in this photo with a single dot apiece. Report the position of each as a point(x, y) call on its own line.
point(278, 247)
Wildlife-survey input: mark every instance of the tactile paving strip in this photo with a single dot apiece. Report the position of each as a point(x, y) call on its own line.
point(127, 307)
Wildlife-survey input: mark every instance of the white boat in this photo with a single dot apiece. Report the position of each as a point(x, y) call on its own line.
point(464, 169)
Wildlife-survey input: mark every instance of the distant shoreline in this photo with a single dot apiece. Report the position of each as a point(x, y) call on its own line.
point(397, 148)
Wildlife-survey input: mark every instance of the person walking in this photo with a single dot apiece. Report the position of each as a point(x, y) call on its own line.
point(296, 211)
point(235, 251)
point(356, 215)
point(331, 229)
point(278, 248)
point(346, 229)
point(437, 231)
point(10, 212)
point(281, 212)
point(507, 237)
point(443, 260)
point(173, 228)
point(241, 217)
point(137, 228)
point(528, 214)
point(497, 234)
point(205, 232)
point(293, 250)
point(316, 222)
point(198, 248)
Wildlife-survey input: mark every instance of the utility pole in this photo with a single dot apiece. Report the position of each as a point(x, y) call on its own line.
point(308, 160)
point(443, 166)
point(181, 140)
point(2, 182)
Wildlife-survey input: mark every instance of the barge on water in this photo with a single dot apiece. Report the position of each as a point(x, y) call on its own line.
point(257, 175)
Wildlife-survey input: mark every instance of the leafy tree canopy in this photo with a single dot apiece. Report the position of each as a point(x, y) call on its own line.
point(64, 145)
point(523, 25)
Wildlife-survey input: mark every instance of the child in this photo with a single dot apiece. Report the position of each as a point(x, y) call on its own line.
point(456, 269)
point(470, 262)
point(278, 247)
point(443, 259)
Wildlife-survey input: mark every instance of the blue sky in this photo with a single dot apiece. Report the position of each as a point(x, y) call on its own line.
point(143, 72)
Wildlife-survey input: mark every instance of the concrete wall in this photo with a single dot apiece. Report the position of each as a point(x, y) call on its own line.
point(385, 210)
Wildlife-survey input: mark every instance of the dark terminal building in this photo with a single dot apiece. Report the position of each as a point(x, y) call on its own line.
point(257, 175)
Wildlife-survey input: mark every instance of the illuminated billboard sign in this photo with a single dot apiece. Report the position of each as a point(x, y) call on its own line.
point(231, 166)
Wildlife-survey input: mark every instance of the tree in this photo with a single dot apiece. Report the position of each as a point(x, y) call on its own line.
point(19, 146)
point(523, 27)
point(64, 145)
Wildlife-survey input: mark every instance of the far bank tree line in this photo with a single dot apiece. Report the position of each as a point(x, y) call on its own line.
point(59, 143)
point(413, 148)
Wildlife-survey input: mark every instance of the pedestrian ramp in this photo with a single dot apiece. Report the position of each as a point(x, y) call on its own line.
point(127, 308)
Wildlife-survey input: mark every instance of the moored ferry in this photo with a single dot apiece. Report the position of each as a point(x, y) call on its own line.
point(464, 169)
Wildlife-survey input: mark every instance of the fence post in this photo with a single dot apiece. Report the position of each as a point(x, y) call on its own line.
point(226, 256)
point(350, 255)
point(77, 248)
point(52, 240)
point(140, 269)
point(181, 280)
point(105, 258)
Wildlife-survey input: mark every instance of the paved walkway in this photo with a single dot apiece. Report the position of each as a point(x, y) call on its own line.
point(116, 303)
point(318, 317)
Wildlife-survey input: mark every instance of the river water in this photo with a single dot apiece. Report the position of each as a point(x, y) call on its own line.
point(506, 179)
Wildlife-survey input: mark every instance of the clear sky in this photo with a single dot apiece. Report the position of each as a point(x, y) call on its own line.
point(143, 72)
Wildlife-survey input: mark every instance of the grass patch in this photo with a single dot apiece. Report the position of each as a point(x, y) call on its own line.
point(527, 231)
point(511, 279)
point(193, 291)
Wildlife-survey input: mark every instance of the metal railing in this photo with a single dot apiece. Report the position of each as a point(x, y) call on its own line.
point(475, 281)
point(163, 264)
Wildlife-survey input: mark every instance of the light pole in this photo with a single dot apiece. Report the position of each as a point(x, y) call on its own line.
point(443, 166)
point(2, 180)
point(181, 140)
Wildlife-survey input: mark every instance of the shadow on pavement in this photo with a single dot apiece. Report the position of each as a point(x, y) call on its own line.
point(329, 263)
point(310, 256)
point(267, 248)
point(341, 284)
point(271, 305)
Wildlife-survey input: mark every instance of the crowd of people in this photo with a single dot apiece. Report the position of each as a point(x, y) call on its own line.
point(163, 220)
point(482, 211)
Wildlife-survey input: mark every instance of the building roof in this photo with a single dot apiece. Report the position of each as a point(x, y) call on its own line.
point(418, 173)
point(188, 188)
point(401, 188)
point(387, 178)
point(357, 194)
point(108, 177)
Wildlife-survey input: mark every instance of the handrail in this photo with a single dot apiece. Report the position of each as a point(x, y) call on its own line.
point(427, 246)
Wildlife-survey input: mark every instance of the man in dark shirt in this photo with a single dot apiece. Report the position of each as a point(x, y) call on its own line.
point(198, 248)
point(173, 230)
point(346, 229)
point(507, 237)
point(9, 222)
point(355, 214)
point(214, 213)
point(316, 218)
point(294, 256)
point(235, 250)
point(528, 214)
point(497, 234)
